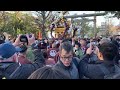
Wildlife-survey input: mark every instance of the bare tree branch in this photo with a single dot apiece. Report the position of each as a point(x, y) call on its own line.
point(48, 14)
point(64, 12)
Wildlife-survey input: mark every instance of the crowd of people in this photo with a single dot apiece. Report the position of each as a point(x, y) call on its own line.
point(76, 58)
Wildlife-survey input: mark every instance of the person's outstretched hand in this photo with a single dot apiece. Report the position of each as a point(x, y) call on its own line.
point(17, 41)
point(31, 40)
point(89, 50)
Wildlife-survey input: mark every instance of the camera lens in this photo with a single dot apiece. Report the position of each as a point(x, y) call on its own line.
point(23, 38)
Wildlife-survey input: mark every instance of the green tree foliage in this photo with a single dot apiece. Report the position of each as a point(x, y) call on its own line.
point(86, 29)
point(115, 13)
point(17, 23)
point(46, 18)
point(43, 21)
point(91, 30)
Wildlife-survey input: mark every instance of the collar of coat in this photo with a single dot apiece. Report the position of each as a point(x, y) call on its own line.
point(63, 66)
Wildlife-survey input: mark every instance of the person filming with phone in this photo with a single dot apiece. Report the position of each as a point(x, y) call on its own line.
point(10, 66)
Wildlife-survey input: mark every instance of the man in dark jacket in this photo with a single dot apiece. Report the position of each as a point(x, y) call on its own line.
point(10, 68)
point(2, 39)
point(107, 53)
point(66, 63)
point(118, 56)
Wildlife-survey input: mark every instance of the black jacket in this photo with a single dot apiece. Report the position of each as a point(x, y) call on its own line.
point(93, 71)
point(71, 71)
point(24, 71)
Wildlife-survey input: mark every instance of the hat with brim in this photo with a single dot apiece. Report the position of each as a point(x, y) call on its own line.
point(7, 50)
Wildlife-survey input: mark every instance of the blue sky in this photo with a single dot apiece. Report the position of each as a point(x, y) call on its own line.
point(100, 19)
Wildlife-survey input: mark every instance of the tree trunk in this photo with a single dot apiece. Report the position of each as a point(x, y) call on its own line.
point(43, 32)
point(43, 25)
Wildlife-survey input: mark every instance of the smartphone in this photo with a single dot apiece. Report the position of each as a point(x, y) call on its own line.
point(23, 38)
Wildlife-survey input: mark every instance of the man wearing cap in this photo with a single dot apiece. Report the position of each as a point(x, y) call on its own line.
point(10, 69)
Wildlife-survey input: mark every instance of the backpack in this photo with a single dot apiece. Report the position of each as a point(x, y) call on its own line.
point(108, 75)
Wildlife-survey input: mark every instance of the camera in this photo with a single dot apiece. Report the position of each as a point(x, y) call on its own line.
point(23, 38)
point(2, 39)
